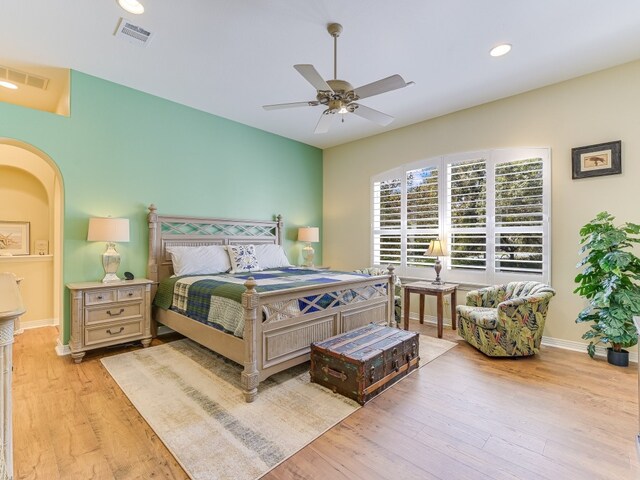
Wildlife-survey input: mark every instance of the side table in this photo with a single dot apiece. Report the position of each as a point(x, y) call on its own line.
point(427, 288)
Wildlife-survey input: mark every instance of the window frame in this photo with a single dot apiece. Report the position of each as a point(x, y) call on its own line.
point(489, 275)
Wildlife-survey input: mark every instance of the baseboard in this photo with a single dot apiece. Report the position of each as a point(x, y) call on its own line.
point(431, 319)
point(582, 347)
point(547, 341)
point(45, 322)
point(61, 349)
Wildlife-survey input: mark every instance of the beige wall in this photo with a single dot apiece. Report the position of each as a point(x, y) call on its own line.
point(26, 194)
point(24, 198)
point(592, 109)
point(36, 288)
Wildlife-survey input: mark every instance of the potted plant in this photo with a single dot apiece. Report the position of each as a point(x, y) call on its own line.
point(609, 282)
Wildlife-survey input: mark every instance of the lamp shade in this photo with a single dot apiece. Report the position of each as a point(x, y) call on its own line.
point(436, 249)
point(309, 234)
point(107, 229)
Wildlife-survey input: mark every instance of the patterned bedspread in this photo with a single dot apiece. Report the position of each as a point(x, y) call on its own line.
point(215, 299)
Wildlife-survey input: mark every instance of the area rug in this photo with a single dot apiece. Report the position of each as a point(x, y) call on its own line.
point(192, 399)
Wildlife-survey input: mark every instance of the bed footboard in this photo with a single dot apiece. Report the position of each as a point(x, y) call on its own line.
point(284, 337)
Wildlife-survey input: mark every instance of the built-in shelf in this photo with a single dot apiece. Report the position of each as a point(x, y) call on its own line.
point(25, 258)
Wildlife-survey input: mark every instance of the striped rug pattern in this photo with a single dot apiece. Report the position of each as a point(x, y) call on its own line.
point(192, 399)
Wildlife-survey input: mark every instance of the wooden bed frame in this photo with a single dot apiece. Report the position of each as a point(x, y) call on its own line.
point(282, 339)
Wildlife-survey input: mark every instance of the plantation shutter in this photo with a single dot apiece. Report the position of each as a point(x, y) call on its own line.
point(387, 221)
point(520, 217)
point(423, 212)
point(467, 214)
point(491, 208)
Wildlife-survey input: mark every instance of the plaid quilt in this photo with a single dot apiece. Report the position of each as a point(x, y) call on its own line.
point(215, 299)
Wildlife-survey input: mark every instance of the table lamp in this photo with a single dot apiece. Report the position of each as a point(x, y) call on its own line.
point(436, 249)
point(110, 230)
point(309, 235)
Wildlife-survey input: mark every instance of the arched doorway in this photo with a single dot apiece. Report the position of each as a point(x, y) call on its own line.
point(30, 166)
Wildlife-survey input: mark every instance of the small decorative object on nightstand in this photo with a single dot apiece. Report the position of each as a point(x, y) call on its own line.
point(309, 235)
point(109, 314)
point(109, 230)
point(436, 249)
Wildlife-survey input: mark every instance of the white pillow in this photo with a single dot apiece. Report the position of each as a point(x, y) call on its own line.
point(271, 256)
point(243, 258)
point(199, 260)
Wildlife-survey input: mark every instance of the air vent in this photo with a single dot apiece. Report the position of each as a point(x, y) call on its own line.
point(23, 78)
point(132, 33)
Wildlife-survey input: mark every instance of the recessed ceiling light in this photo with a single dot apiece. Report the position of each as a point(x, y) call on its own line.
point(8, 85)
point(132, 6)
point(500, 50)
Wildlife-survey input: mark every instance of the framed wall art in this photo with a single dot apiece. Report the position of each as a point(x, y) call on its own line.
point(597, 160)
point(14, 238)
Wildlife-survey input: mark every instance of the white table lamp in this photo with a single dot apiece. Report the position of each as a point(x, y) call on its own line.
point(110, 230)
point(309, 235)
point(436, 249)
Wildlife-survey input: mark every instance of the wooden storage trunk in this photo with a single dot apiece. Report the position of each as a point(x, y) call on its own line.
point(361, 363)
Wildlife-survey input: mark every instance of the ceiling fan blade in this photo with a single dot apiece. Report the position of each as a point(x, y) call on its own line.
point(373, 115)
point(388, 84)
point(312, 76)
point(325, 122)
point(291, 105)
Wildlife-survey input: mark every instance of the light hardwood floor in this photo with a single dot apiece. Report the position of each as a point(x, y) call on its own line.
point(559, 415)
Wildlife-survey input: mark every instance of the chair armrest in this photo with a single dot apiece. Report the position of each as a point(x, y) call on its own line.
point(473, 298)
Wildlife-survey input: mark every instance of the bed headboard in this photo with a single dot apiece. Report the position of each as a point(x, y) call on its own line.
point(166, 231)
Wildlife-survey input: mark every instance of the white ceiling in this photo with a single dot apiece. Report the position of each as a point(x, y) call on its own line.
point(231, 57)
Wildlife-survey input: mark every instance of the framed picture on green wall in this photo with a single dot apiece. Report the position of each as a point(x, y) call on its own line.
point(14, 238)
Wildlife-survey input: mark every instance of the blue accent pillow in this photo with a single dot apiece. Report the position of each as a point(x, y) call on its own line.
point(243, 258)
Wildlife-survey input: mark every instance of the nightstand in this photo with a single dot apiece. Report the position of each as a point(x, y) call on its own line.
point(104, 314)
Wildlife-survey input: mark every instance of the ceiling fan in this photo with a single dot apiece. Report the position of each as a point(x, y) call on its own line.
point(338, 96)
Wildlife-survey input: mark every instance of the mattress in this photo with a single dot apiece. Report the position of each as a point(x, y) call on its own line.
point(215, 300)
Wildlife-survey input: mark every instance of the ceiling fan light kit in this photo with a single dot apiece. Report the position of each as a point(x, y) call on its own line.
point(339, 96)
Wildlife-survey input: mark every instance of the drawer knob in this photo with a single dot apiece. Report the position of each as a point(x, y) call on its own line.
point(115, 314)
point(99, 297)
point(131, 294)
point(115, 333)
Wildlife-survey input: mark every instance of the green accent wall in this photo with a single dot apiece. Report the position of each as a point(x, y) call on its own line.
point(121, 150)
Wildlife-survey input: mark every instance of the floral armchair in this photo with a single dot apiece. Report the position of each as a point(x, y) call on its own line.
point(505, 320)
point(397, 292)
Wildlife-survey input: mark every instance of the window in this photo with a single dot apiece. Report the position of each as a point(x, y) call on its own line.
point(491, 208)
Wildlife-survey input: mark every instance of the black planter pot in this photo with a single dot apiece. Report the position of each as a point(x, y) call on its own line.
point(619, 359)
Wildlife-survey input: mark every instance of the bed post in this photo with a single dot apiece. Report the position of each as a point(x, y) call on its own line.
point(280, 229)
point(392, 296)
point(250, 377)
point(152, 265)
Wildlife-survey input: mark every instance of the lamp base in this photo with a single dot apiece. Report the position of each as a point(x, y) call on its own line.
point(437, 266)
point(110, 263)
point(308, 254)
point(110, 277)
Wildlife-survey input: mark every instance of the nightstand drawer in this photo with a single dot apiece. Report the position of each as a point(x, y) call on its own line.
point(100, 296)
point(117, 332)
point(130, 293)
point(110, 313)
